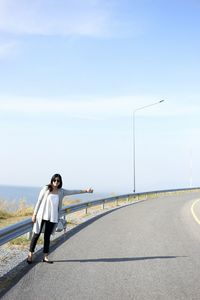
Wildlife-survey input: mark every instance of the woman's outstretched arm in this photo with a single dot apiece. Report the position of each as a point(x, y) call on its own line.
point(74, 192)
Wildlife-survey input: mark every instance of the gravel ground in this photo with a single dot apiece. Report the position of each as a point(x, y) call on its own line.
point(10, 257)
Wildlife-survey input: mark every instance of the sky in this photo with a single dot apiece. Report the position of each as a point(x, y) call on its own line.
point(72, 74)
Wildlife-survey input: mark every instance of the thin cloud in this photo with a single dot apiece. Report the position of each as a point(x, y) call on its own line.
point(90, 109)
point(66, 18)
point(96, 108)
point(81, 107)
point(53, 18)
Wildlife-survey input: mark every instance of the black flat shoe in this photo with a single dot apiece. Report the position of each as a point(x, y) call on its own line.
point(47, 261)
point(29, 261)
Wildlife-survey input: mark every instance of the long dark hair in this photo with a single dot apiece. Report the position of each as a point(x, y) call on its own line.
point(50, 187)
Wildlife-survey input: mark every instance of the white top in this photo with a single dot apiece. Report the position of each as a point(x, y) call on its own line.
point(51, 208)
point(41, 202)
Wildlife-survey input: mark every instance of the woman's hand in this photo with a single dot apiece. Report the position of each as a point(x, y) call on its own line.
point(89, 190)
point(34, 218)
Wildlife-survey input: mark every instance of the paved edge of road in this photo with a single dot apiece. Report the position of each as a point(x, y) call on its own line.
point(196, 218)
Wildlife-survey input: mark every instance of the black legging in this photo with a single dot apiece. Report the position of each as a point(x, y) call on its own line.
point(47, 233)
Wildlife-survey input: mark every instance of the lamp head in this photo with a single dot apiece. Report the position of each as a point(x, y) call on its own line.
point(161, 101)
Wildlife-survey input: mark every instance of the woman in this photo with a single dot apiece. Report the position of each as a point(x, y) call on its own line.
point(46, 213)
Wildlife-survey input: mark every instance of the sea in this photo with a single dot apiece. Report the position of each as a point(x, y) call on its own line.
point(14, 194)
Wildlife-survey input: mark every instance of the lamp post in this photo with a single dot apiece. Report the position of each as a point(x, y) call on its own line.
point(140, 108)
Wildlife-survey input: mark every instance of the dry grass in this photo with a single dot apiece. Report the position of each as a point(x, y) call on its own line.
point(11, 220)
point(9, 216)
point(4, 210)
point(22, 242)
point(23, 210)
point(4, 214)
point(67, 201)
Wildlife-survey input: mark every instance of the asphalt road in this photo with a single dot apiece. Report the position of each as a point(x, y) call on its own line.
point(149, 250)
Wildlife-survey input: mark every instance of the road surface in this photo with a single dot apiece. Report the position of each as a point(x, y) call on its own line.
point(148, 250)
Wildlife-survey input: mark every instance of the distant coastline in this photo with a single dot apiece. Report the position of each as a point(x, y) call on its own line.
point(30, 194)
point(17, 193)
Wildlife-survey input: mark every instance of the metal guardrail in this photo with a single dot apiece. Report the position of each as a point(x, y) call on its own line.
point(13, 231)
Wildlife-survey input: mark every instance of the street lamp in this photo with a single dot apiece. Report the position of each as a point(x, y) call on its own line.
point(140, 108)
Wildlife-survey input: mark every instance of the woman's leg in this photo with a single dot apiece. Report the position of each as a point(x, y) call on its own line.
point(33, 244)
point(35, 239)
point(47, 233)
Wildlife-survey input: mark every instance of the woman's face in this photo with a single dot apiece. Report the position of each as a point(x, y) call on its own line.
point(56, 182)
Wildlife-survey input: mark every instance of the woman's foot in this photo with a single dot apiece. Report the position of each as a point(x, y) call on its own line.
point(46, 260)
point(30, 258)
